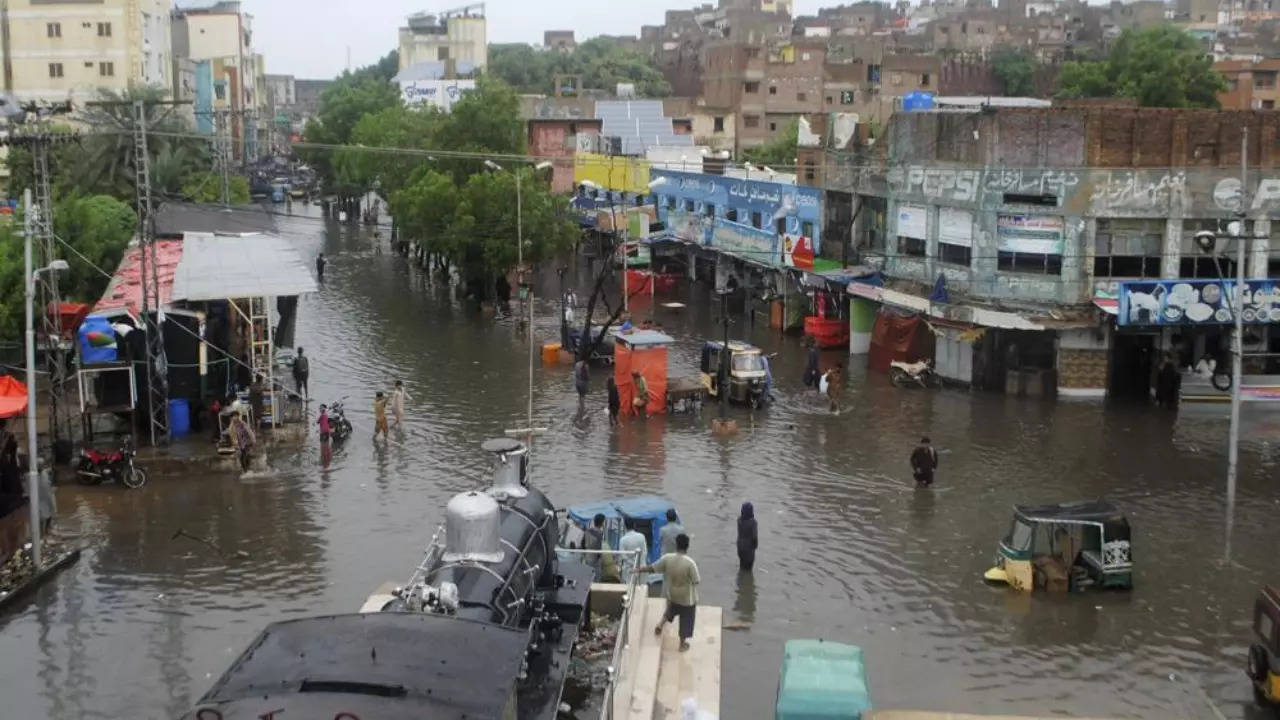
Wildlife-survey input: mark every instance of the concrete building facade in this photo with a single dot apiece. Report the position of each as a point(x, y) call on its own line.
point(222, 34)
point(1251, 84)
point(56, 51)
point(1033, 219)
point(459, 36)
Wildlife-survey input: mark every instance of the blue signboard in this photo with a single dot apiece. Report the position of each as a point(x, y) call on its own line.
point(1196, 302)
point(741, 216)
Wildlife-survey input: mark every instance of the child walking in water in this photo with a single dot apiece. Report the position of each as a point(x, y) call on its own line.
point(398, 396)
point(379, 415)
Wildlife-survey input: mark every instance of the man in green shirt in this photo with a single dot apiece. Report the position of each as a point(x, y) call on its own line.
point(680, 575)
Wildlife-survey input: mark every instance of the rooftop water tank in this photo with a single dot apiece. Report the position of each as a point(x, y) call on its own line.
point(471, 529)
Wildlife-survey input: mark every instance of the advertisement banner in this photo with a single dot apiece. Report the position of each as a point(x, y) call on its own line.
point(760, 246)
point(955, 227)
point(913, 222)
point(438, 93)
point(1197, 302)
point(1032, 234)
point(797, 252)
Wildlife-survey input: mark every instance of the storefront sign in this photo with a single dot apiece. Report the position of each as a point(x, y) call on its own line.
point(1197, 302)
point(913, 222)
point(797, 252)
point(1032, 234)
point(955, 227)
point(438, 93)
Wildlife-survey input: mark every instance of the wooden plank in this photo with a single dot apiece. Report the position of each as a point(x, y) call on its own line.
point(644, 690)
point(639, 633)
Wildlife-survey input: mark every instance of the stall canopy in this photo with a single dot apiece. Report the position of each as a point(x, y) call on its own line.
point(216, 267)
point(13, 397)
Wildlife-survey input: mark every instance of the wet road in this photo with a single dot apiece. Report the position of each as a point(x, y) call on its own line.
point(143, 624)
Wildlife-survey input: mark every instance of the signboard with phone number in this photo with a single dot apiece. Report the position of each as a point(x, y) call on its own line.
point(1196, 302)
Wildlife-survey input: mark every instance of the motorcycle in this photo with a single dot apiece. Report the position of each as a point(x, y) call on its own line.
point(903, 374)
point(96, 467)
point(339, 425)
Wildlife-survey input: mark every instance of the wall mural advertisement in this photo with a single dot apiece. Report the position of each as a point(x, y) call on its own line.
point(1032, 234)
point(913, 222)
point(752, 202)
point(1196, 302)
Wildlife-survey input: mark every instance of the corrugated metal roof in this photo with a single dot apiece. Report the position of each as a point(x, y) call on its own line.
point(124, 292)
point(214, 267)
point(174, 219)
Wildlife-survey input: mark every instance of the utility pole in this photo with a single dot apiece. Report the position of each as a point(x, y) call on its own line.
point(157, 363)
point(1233, 450)
point(221, 163)
point(33, 452)
point(39, 139)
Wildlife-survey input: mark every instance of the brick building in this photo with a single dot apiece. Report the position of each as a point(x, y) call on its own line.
point(1251, 84)
point(1036, 218)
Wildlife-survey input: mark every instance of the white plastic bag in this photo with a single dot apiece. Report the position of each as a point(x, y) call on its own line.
point(822, 383)
point(689, 711)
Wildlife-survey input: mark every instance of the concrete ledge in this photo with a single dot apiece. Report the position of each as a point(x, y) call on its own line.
point(930, 715)
point(46, 573)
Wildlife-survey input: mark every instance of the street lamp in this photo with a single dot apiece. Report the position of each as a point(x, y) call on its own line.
point(33, 461)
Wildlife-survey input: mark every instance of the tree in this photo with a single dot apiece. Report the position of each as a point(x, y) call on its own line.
point(780, 151)
point(1015, 69)
point(600, 62)
point(206, 187)
point(1159, 66)
point(99, 229)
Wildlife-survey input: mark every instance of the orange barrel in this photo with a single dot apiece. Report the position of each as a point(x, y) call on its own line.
point(551, 353)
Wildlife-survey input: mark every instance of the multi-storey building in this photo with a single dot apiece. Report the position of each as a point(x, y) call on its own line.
point(222, 34)
point(56, 51)
point(1251, 85)
point(1032, 239)
point(457, 37)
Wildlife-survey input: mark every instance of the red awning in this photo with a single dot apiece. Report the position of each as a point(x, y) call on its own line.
point(13, 397)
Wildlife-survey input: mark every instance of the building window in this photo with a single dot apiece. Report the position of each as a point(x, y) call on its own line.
point(773, 89)
point(773, 126)
point(753, 53)
point(442, 53)
point(104, 29)
point(846, 97)
point(752, 88)
point(1010, 261)
point(801, 97)
point(1268, 104)
point(756, 221)
point(751, 121)
point(107, 69)
point(910, 247)
point(804, 57)
point(1128, 248)
point(830, 100)
point(220, 91)
point(718, 124)
point(710, 210)
point(806, 229)
point(808, 172)
point(55, 70)
point(688, 205)
point(924, 80)
point(731, 214)
point(53, 30)
point(1264, 79)
point(955, 254)
point(671, 202)
point(873, 73)
point(781, 225)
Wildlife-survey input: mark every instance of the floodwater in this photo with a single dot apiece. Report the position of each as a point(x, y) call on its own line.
point(849, 551)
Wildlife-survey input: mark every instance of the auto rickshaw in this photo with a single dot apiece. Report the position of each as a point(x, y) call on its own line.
point(1264, 654)
point(1065, 547)
point(746, 372)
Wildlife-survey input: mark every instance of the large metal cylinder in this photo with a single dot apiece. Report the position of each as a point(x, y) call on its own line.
point(471, 529)
point(510, 463)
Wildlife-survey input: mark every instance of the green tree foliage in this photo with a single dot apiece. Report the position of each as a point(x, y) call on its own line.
point(99, 227)
point(602, 64)
point(344, 104)
point(206, 187)
point(780, 151)
point(1158, 66)
point(1015, 69)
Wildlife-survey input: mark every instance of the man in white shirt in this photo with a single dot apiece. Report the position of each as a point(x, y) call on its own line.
point(634, 548)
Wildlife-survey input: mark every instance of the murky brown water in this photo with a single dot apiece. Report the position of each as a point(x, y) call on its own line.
point(849, 551)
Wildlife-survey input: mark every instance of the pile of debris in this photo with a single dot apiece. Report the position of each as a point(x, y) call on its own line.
point(18, 568)
point(589, 668)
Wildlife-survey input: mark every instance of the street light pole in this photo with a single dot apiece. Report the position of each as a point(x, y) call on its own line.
point(33, 464)
point(1233, 450)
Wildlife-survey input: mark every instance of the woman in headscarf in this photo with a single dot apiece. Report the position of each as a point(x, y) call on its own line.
point(748, 537)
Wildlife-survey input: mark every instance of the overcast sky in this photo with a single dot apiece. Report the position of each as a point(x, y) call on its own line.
point(309, 39)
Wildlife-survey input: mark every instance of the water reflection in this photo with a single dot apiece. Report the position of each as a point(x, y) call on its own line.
point(849, 550)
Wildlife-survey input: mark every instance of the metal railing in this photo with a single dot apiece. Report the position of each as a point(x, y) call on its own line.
point(617, 670)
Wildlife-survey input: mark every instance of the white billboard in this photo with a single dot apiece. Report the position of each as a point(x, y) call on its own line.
point(439, 93)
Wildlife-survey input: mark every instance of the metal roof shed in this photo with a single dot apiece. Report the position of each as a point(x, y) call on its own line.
point(216, 267)
point(255, 267)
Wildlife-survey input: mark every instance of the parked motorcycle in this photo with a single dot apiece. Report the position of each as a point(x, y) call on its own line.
point(96, 467)
point(903, 374)
point(339, 425)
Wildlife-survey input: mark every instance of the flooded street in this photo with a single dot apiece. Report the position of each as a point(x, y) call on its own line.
point(849, 551)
